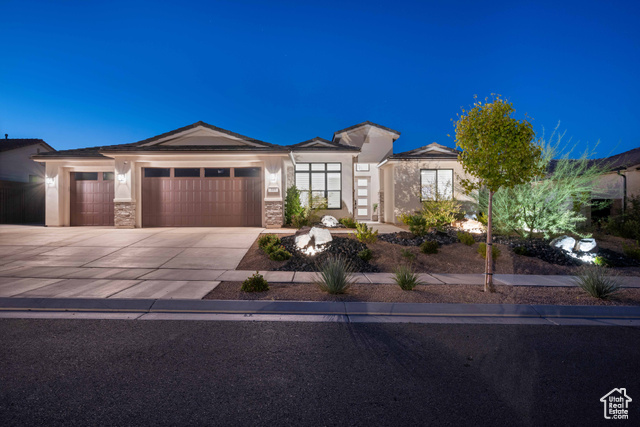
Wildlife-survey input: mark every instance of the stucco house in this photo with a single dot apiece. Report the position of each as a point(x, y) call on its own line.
point(15, 159)
point(621, 183)
point(202, 175)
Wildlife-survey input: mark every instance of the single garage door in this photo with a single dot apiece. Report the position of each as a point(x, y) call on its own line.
point(91, 198)
point(202, 197)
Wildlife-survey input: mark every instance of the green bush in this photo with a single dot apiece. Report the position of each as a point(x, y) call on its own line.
point(405, 277)
point(348, 222)
point(334, 275)
point(597, 282)
point(365, 234)
point(406, 253)
point(365, 254)
point(628, 224)
point(255, 283)
point(279, 253)
point(465, 238)
point(601, 261)
point(519, 250)
point(267, 240)
point(632, 251)
point(482, 250)
point(292, 205)
point(417, 224)
point(310, 213)
point(438, 213)
point(429, 247)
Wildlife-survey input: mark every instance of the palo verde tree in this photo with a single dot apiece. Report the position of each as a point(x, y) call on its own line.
point(499, 152)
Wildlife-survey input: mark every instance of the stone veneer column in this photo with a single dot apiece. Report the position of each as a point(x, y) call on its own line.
point(274, 214)
point(125, 214)
point(381, 208)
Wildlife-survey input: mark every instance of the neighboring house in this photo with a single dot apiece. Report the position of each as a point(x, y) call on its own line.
point(15, 159)
point(620, 184)
point(202, 175)
point(22, 196)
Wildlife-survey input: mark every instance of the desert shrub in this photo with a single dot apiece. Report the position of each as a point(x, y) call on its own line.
point(365, 234)
point(632, 251)
point(334, 275)
point(482, 250)
point(310, 213)
point(627, 224)
point(404, 218)
point(417, 225)
point(483, 219)
point(279, 253)
point(601, 261)
point(405, 277)
point(255, 283)
point(348, 222)
point(365, 254)
point(441, 212)
point(519, 250)
point(267, 240)
point(465, 238)
point(292, 205)
point(429, 247)
point(406, 253)
point(597, 282)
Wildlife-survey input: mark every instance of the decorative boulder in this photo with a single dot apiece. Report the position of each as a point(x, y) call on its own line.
point(302, 241)
point(320, 235)
point(329, 221)
point(586, 245)
point(565, 243)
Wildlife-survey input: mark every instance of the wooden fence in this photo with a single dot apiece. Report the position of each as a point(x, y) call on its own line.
point(21, 203)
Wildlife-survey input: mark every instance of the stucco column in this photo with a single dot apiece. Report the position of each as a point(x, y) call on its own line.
point(54, 193)
point(273, 193)
point(124, 189)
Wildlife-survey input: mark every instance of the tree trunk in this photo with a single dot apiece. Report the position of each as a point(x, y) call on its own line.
point(488, 277)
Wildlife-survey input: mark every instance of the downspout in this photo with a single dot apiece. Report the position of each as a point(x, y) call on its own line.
point(624, 191)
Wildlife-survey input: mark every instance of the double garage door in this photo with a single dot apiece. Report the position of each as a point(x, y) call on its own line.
point(175, 197)
point(202, 197)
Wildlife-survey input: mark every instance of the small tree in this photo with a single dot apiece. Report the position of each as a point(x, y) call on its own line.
point(499, 151)
point(292, 204)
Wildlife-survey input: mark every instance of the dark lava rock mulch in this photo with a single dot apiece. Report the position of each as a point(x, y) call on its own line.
point(339, 246)
point(445, 237)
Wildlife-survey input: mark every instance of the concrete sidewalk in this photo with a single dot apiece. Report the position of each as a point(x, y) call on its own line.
point(168, 283)
point(346, 312)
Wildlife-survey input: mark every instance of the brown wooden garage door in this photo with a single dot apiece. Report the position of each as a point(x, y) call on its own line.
point(202, 197)
point(91, 198)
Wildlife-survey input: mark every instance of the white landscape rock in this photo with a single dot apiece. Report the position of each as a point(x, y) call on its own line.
point(302, 241)
point(321, 236)
point(586, 245)
point(329, 221)
point(565, 243)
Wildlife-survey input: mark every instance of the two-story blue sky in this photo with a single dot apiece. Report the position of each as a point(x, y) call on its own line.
point(79, 73)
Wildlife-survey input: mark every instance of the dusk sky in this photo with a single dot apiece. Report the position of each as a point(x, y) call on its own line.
point(80, 73)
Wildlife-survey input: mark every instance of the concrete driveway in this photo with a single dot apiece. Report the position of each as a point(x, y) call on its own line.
point(90, 262)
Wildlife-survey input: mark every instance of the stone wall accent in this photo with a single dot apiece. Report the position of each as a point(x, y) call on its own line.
point(381, 207)
point(274, 214)
point(124, 214)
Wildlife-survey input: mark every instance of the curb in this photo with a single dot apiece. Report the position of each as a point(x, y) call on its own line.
point(326, 311)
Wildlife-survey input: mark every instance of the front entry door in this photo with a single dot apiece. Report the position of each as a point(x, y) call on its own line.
point(363, 198)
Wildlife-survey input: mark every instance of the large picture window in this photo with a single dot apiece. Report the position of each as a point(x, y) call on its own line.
point(320, 180)
point(436, 184)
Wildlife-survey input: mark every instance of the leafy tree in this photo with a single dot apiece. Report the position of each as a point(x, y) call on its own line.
point(549, 204)
point(292, 205)
point(498, 151)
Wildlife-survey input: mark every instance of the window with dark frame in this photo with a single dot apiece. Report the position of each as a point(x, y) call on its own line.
point(436, 184)
point(107, 176)
point(217, 172)
point(86, 176)
point(322, 180)
point(246, 172)
point(186, 172)
point(157, 172)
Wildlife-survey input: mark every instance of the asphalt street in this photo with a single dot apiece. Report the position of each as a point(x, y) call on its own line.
point(109, 372)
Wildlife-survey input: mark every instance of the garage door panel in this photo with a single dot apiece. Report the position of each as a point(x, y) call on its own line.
point(202, 202)
point(91, 201)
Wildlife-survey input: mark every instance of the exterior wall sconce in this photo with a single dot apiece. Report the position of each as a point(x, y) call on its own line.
point(122, 177)
point(274, 178)
point(49, 180)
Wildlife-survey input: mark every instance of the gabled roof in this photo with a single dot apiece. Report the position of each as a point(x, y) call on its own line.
point(367, 123)
point(321, 144)
point(624, 160)
point(431, 151)
point(8, 144)
point(147, 145)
